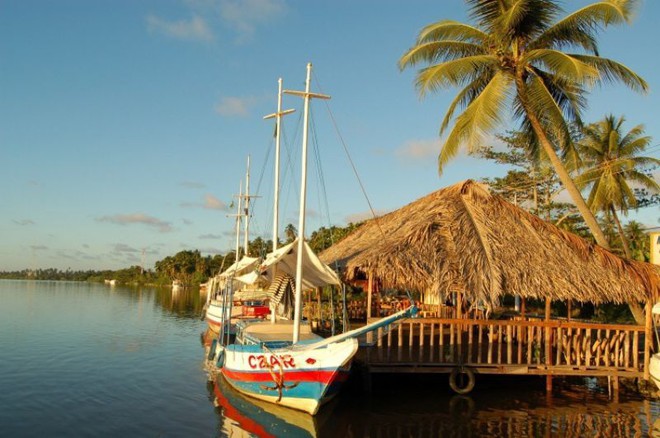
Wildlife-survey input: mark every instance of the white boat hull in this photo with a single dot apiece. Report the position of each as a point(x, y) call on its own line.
point(654, 369)
point(294, 377)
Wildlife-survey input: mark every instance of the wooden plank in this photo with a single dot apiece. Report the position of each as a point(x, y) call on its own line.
point(480, 343)
point(636, 350)
point(560, 344)
point(587, 354)
point(509, 345)
point(491, 336)
point(647, 340)
point(530, 343)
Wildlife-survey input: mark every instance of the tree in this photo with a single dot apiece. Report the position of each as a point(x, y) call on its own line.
point(290, 233)
point(611, 159)
point(514, 56)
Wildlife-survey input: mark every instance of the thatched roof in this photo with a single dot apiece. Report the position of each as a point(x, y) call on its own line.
point(462, 238)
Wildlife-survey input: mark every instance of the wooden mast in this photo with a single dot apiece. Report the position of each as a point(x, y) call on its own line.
point(307, 96)
point(276, 187)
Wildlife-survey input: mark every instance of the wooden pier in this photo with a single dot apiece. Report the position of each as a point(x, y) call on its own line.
point(523, 347)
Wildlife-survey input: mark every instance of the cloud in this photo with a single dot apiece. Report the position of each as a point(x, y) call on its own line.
point(123, 248)
point(194, 29)
point(235, 106)
point(213, 203)
point(210, 203)
point(187, 222)
point(362, 216)
point(419, 150)
point(192, 185)
point(137, 218)
point(23, 222)
point(38, 248)
point(245, 15)
point(210, 236)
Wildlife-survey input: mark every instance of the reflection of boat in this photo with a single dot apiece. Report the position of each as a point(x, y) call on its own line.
point(283, 362)
point(177, 285)
point(654, 363)
point(249, 417)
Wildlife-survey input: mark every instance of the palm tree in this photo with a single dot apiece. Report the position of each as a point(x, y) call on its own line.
point(514, 56)
point(611, 160)
point(290, 232)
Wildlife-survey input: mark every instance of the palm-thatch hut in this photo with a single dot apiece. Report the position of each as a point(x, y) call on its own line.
point(464, 239)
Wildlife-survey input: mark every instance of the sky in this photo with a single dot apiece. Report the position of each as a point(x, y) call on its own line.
point(125, 125)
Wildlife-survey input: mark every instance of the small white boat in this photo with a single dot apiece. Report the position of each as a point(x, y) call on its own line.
point(654, 363)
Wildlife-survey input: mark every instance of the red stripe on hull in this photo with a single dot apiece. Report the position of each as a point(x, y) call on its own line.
point(319, 376)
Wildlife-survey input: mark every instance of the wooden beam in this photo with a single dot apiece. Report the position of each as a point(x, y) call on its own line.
point(648, 338)
point(370, 290)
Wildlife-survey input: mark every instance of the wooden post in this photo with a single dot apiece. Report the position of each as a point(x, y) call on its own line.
point(370, 289)
point(648, 338)
point(568, 307)
point(522, 307)
point(548, 350)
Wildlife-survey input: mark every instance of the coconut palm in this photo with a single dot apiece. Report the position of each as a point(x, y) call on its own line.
point(515, 55)
point(611, 160)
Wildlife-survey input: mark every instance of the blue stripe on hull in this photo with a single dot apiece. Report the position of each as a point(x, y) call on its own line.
point(292, 389)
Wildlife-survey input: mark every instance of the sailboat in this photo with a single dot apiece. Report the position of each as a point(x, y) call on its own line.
point(223, 306)
point(284, 362)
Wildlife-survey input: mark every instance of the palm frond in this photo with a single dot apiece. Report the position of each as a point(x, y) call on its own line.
point(481, 115)
point(580, 27)
point(612, 71)
point(465, 96)
point(453, 73)
point(562, 65)
point(548, 111)
point(438, 51)
point(451, 30)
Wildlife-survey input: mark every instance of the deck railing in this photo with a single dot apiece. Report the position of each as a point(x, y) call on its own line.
point(536, 345)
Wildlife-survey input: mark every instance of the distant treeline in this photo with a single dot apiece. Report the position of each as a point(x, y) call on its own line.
point(188, 267)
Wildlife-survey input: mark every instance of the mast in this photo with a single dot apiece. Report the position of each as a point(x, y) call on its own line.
point(278, 122)
point(238, 220)
point(307, 96)
point(246, 211)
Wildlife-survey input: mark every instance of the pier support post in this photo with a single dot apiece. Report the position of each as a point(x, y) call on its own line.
point(548, 384)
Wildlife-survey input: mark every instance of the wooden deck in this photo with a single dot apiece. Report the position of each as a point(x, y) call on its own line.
point(551, 348)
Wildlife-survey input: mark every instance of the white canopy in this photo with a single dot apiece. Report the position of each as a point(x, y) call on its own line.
point(315, 273)
point(240, 267)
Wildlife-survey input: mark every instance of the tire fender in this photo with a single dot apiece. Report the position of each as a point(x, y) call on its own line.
point(459, 386)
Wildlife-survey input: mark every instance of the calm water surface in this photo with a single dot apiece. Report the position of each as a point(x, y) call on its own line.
point(80, 359)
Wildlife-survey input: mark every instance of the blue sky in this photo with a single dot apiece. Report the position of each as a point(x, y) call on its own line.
point(125, 125)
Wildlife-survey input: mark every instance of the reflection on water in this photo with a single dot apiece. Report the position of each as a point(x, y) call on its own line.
point(423, 406)
point(80, 359)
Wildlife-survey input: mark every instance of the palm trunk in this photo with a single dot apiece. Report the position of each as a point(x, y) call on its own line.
point(564, 177)
point(573, 191)
point(622, 234)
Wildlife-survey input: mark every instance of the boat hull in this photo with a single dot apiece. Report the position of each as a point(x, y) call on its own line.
point(297, 378)
point(216, 314)
point(654, 369)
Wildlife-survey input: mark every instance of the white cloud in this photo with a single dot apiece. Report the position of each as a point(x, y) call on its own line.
point(210, 236)
point(419, 150)
point(210, 203)
point(195, 28)
point(363, 216)
point(23, 222)
point(235, 106)
point(137, 218)
point(245, 15)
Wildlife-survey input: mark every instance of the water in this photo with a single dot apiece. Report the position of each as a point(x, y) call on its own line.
point(80, 359)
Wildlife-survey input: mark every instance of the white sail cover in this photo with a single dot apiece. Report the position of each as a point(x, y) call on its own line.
point(284, 259)
point(244, 265)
